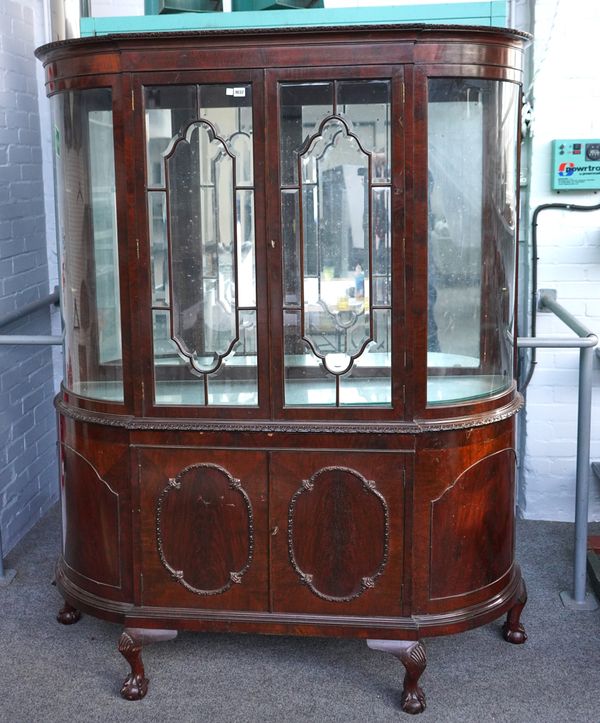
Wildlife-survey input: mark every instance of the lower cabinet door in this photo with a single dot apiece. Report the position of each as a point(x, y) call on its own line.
point(203, 522)
point(337, 532)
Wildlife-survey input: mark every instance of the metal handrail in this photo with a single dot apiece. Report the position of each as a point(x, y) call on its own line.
point(53, 298)
point(30, 339)
point(20, 339)
point(586, 341)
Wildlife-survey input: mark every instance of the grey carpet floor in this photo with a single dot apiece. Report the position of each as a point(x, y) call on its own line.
point(49, 672)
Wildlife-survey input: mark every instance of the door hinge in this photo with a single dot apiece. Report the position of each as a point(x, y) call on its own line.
point(403, 92)
point(132, 99)
point(137, 248)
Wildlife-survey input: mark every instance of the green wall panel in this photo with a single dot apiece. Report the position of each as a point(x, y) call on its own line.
point(475, 13)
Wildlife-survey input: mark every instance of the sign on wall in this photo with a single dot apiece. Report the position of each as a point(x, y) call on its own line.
point(576, 165)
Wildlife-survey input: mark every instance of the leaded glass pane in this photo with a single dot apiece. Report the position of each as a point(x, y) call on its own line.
point(202, 243)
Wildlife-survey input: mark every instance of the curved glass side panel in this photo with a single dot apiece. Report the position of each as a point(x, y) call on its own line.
point(472, 168)
point(335, 231)
point(87, 218)
point(202, 244)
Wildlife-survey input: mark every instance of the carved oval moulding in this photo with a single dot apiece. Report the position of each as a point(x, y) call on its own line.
point(338, 533)
point(205, 529)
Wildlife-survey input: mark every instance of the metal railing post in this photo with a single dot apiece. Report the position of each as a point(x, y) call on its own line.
point(579, 600)
point(585, 342)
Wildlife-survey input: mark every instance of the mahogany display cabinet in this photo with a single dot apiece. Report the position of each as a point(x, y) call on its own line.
point(288, 284)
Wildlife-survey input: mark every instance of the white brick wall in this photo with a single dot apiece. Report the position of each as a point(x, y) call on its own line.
point(28, 477)
point(566, 105)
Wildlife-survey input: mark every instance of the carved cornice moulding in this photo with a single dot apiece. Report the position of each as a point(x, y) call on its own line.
point(406, 30)
point(420, 426)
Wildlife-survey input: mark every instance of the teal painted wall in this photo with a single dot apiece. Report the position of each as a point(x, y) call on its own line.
point(468, 13)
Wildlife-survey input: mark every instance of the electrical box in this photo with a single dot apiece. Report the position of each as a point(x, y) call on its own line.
point(576, 165)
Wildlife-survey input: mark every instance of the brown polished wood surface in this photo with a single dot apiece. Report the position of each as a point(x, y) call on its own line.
point(203, 517)
point(391, 524)
point(336, 532)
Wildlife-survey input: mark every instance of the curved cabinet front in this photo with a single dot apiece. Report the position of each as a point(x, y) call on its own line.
point(464, 505)
point(289, 331)
point(419, 532)
point(96, 504)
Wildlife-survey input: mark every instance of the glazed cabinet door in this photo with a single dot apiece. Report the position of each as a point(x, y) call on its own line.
point(203, 521)
point(337, 532)
point(336, 211)
point(202, 244)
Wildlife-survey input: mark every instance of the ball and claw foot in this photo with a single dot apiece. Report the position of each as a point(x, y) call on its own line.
point(68, 615)
point(413, 702)
point(135, 685)
point(413, 659)
point(411, 654)
point(515, 635)
point(512, 630)
point(131, 641)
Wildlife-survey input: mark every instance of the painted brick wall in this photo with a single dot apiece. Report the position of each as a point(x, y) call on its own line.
point(567, 105)
point(28, 478)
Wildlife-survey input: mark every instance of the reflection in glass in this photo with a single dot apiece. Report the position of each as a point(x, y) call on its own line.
point(235, 382)
point(302, 107)
point(335, 178)
point(369, 381)
point(246, 260)
point(201, 223)
point(472, 202)
point(382, 246)
point(202, 243)
point(368, 104)
point(174, 383)
point(168, 110)
point(306, 381)
point(157, 227)
point(290, 235)
point(335, 225)
point(87, 217)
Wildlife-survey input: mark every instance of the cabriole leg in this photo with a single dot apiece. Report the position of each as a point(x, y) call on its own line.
point(411, 653)
point(68, 615)
point(512, 630)
point(131, 641)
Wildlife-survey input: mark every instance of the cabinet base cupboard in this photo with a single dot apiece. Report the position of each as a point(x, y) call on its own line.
point(288, 278)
